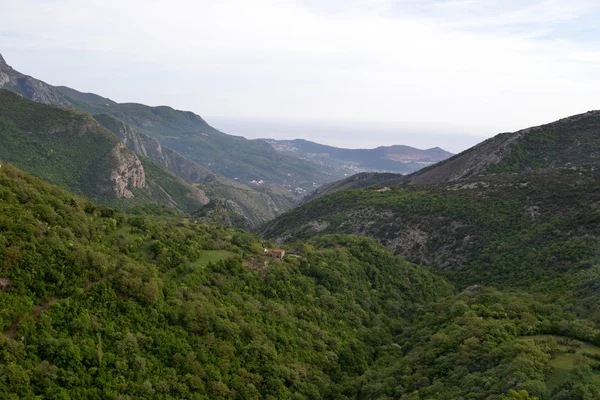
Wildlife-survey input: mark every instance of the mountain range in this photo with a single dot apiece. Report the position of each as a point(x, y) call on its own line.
point(246, 178)
point(398, 159)
point(565, 143)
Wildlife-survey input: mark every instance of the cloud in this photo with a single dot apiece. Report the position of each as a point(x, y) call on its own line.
point(473, 66)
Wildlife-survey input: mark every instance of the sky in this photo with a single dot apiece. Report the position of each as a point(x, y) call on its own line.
point(374, 71)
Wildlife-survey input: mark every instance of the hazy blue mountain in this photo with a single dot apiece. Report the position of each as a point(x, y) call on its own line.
point(398, 159)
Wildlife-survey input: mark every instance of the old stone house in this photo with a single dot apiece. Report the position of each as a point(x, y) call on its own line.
point(275, 253)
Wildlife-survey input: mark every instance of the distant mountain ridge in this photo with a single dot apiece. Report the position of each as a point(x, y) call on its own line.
point(233, 157)
point(186, 133)
point(397, 158)
point(255, 205)
point(564, 143)
point(533, 193)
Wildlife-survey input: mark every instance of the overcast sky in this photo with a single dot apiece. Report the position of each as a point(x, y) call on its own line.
point(458, 67)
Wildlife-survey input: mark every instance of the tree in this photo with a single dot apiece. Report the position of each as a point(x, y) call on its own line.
point(520, 395)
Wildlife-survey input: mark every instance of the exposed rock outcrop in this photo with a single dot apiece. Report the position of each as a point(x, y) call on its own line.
point(129, 171)
point(475, 289)
point(197, 195)
point(151, 148)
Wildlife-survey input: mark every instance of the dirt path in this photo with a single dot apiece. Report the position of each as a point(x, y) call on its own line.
point(38, 310)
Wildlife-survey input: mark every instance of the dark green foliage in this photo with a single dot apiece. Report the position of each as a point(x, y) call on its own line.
point(475, 346)
point(104, 304)
point(59, 144)
point(99, 303)
point(568, 142)
point(534, 230)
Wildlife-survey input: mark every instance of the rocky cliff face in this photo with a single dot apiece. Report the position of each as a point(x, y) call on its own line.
point(151, 148)
point(4, 77)
point(129, 172)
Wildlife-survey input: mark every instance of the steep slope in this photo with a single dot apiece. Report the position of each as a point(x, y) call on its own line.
point(29, 87)
point(69, 148)
point(398, 159)
point(568, 142)
point(231, 156)
point(152, 149)
point(233, 203)
point(186, 133)
point(503, 229)
point(240, 205)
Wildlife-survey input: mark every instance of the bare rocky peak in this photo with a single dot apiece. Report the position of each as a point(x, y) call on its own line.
point(2, 62)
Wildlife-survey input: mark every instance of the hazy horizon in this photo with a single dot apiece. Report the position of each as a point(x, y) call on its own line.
point(356, 136)
point(454, 69)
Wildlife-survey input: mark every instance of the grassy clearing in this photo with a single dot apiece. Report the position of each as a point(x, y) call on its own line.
point(206, 256)
point(567, 355)
point(212, 256)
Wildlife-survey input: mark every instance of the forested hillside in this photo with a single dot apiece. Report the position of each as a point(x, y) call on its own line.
point(97, 303)
point(69, 148)
point(476, 278)
point(508, 230)
point(102, 303)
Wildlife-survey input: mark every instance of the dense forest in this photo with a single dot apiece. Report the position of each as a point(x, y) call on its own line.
point(534, 230)
point(99, 303)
